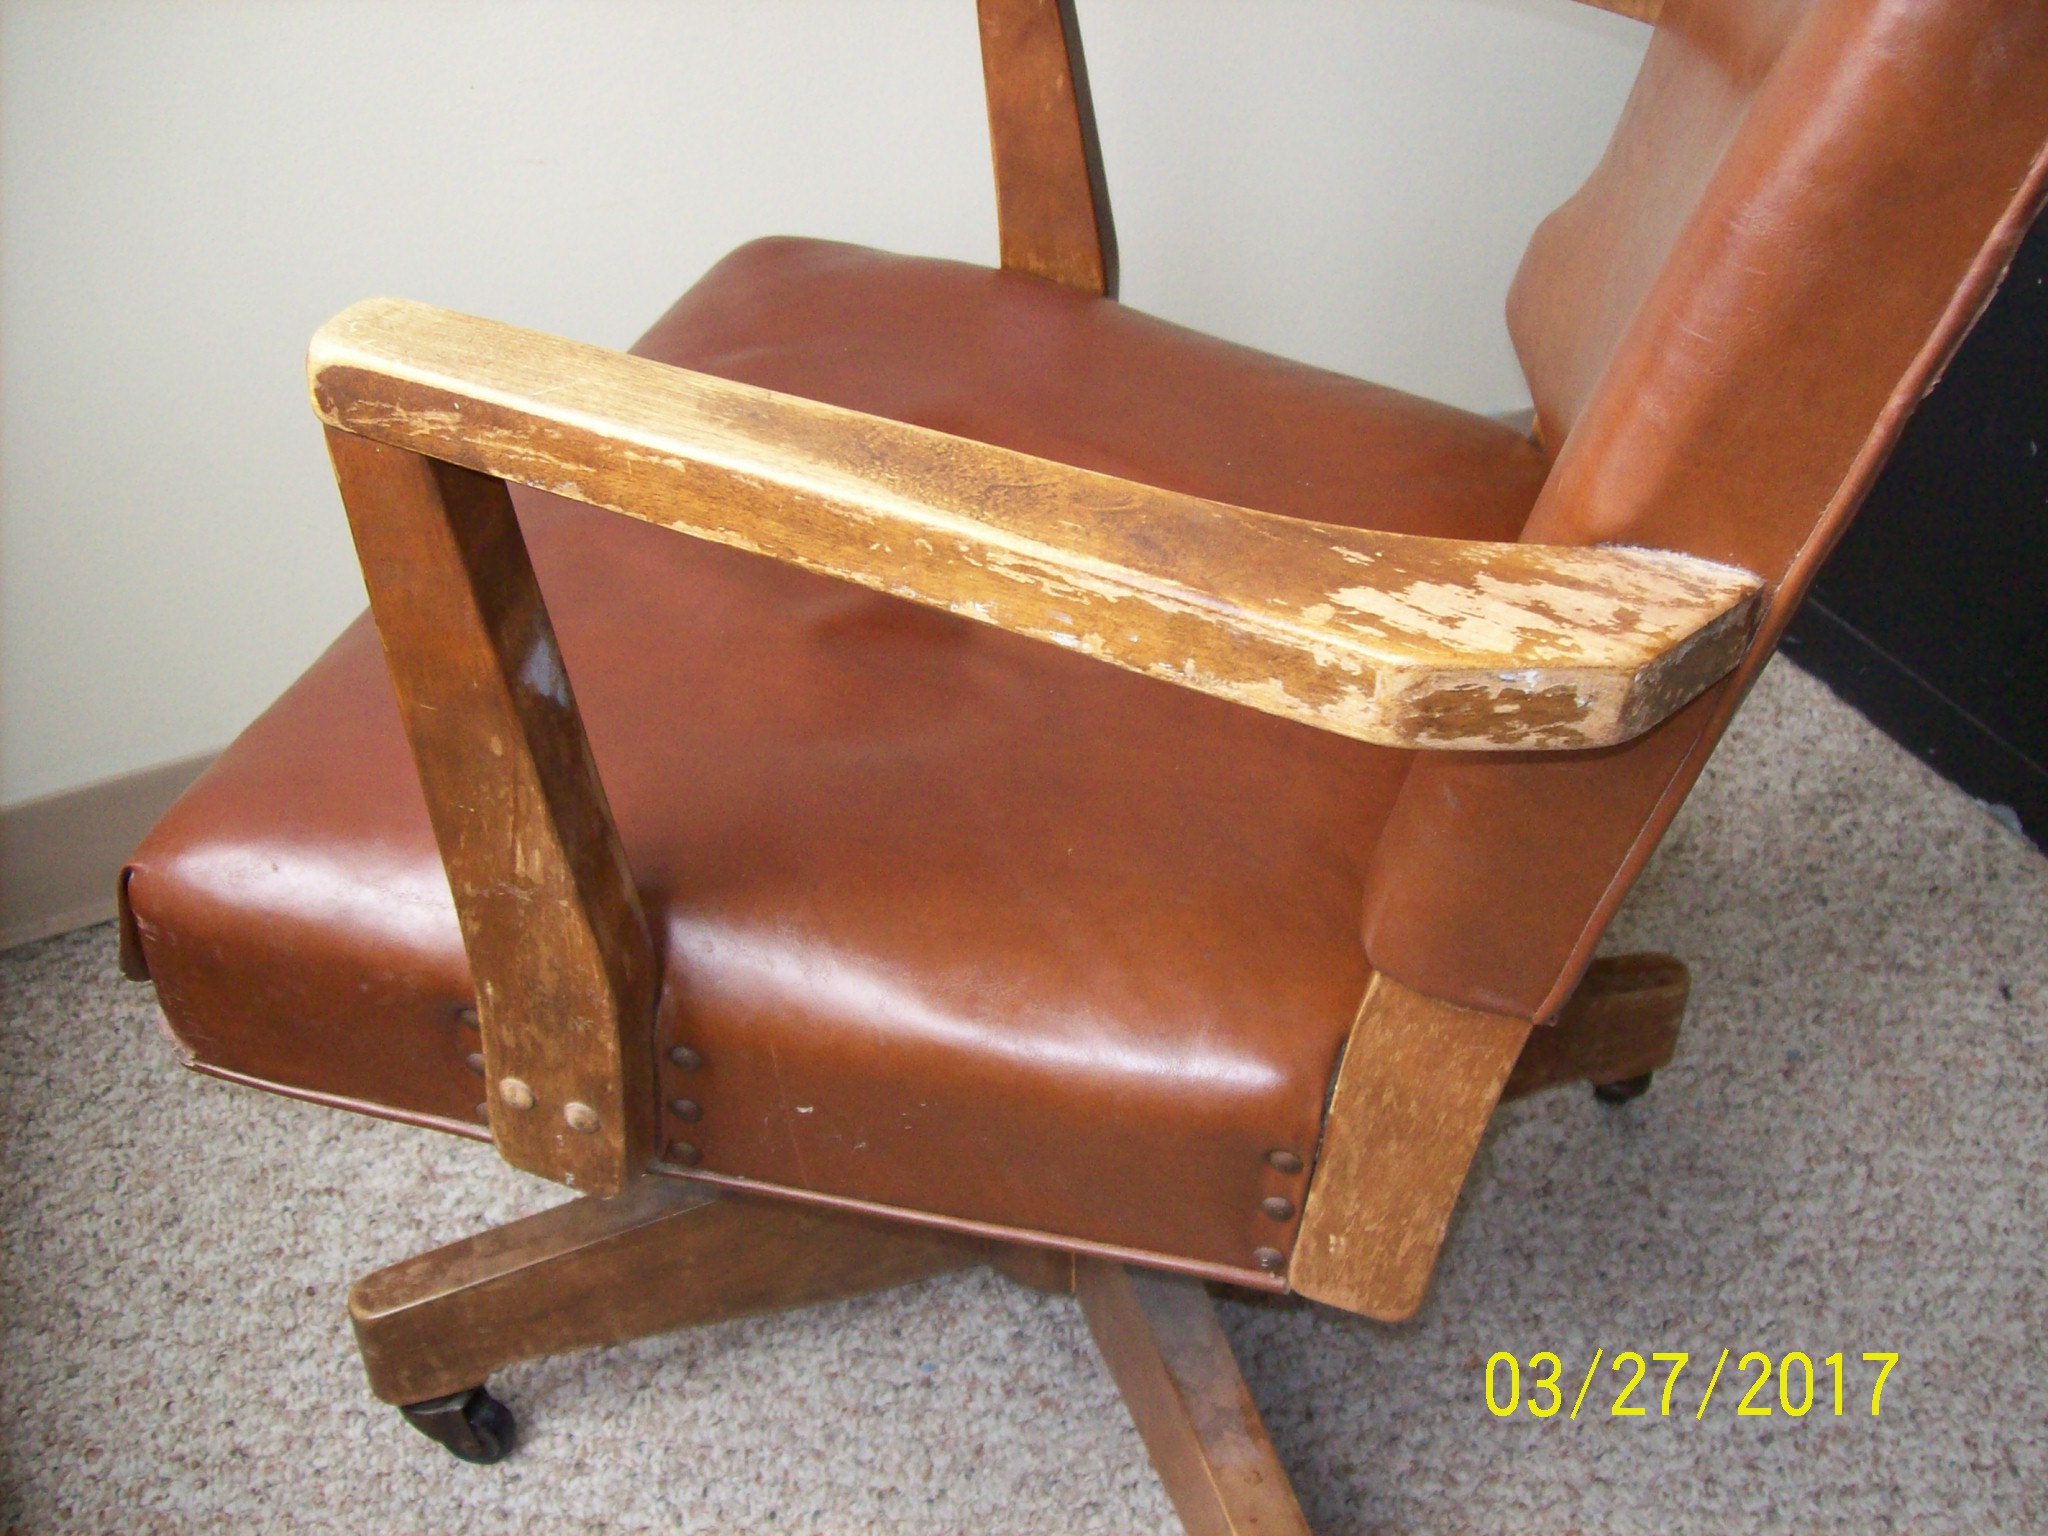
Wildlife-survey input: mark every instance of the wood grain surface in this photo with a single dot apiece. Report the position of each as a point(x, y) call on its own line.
point(663, 1255)
point(565, 973)
point(1389, 638)
point(1418, 1082)
point(1622, 1021)
point(1052, 204)
point(1160, 1339)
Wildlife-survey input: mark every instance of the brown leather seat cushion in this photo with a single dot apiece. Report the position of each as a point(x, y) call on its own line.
point(959, 923)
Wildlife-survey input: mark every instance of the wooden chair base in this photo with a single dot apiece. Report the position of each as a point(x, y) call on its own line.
point(667, 1254)
point(662, 1256)
point(1166, 1351)
point(1619, 1027)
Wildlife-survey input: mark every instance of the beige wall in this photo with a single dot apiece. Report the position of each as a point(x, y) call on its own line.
point(188, 187)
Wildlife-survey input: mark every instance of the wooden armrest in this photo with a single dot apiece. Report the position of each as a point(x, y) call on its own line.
point(1387, 637)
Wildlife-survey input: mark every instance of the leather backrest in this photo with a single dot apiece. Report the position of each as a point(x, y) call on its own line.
point(1804, 206)
point(1591, 262)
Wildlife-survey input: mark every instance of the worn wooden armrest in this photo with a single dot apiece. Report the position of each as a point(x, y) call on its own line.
point(1390, 638)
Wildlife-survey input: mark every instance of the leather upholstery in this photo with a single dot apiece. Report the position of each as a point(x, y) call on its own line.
point(1802, 210)
point(959, 923)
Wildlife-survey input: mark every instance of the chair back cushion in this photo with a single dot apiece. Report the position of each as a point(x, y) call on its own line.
point(1804, 206)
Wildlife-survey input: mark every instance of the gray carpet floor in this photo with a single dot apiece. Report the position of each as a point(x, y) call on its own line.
point(1851, 1154)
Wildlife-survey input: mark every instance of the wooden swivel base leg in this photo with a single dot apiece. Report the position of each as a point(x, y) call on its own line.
point(1166, 1351)
point(664, 1255)
point(1620, 1026)
point(668, 1254)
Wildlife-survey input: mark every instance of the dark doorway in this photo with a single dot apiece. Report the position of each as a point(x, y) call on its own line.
point(1932, 616)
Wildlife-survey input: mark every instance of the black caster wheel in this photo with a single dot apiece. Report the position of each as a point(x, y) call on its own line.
point(1621, 1092)
point(473, 1425)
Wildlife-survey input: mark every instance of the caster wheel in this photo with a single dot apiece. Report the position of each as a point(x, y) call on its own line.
point(473, 1425)
point(1621, 1092)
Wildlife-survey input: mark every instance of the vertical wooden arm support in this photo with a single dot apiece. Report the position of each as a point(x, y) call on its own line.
point(1052, 203)
point(1419, 1080)
point(565, 973)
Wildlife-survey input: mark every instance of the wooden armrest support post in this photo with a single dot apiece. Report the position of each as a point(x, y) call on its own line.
point(564, 970)
point(1390, 638)
point(1417, 1084)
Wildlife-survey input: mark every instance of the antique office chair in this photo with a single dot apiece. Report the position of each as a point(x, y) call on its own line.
point(838, 929)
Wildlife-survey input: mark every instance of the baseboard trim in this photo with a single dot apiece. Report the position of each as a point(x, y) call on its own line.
point(60, 855)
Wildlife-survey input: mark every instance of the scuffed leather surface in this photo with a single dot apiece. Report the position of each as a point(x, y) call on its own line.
point(1803, 208)
point(959, 922)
